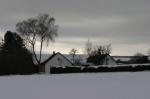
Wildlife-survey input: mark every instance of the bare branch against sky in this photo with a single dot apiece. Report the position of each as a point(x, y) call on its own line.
point(123, 23)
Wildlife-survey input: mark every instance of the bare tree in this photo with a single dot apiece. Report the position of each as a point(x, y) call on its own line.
point(88, 47)
point(73, 53)
point(38, 29)
point(101, 50)
point(148, 52)
point(98, 54)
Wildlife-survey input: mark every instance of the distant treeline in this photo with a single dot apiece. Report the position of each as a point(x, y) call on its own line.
point(59, 70)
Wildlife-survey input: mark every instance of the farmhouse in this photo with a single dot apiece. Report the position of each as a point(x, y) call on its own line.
point(59, 60)
point(56, 60)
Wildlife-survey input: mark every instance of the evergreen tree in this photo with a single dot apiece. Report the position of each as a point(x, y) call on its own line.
point(14, 57)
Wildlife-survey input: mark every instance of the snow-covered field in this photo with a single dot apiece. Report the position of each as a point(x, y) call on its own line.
point(77, 86)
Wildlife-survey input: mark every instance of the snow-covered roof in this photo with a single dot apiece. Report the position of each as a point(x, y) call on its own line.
point(52, 56)
point(125, 58)
point(84, 57)
point(122, 58)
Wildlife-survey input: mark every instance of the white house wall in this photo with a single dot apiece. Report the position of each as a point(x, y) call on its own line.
point(109, 61)
point(57, 61)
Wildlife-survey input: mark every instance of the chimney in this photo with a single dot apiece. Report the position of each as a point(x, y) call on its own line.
point(54, 53)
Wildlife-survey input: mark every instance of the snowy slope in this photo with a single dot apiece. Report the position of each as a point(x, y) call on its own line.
point(77, 86)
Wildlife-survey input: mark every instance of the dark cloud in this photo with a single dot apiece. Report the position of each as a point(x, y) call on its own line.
point(120, 22)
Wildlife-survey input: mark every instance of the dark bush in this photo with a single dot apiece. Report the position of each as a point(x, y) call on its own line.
point(103, 69)
point(89, 69)
point(72, 69)
point(55, 70)
point(141, 68)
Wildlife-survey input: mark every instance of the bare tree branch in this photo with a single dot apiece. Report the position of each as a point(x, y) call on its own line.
point(42, 27)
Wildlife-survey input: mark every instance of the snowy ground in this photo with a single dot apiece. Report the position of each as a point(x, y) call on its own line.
point(77, 86)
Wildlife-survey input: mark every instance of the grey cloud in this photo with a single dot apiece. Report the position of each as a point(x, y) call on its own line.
point(114, 21)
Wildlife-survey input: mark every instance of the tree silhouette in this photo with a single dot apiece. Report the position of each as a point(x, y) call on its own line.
point(148, 51)
point(39, 29)
point(73, 53)
point(88, 47)
point(98, 54)
point(14, 57)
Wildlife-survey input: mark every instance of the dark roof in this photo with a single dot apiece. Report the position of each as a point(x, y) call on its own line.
point(48, 59)
point(54, 56)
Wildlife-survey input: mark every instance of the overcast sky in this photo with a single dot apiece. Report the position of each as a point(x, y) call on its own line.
point(123, 23)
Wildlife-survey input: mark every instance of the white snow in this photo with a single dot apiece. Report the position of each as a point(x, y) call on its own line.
point(129, 85)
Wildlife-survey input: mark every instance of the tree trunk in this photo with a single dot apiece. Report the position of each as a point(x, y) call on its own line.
point(73, 59)
point(41, 50)
point(33, 48)
point(35, 55)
